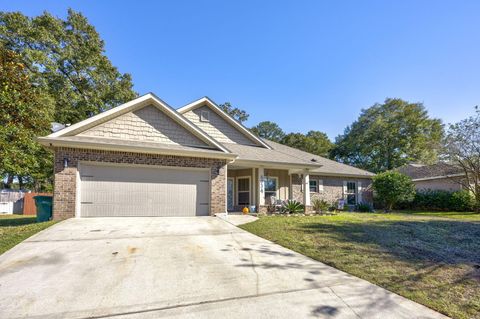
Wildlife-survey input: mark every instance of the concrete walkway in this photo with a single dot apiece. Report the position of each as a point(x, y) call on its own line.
point(179, 268)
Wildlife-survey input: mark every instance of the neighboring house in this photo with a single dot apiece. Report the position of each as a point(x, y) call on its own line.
point(144, 158)
point(440, 176)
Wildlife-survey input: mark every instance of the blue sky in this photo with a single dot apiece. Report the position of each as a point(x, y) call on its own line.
point(307, 65)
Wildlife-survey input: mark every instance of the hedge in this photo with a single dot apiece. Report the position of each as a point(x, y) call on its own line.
point(439, 200)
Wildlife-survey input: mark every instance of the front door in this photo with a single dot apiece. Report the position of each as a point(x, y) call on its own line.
point(230, 194)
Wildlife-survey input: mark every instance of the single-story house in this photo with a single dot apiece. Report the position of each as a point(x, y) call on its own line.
point(440, 176)
point(144, 158)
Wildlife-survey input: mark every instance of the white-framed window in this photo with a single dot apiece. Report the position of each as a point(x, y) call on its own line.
point(205, 116)
point(316, 186)
point(270, 184)
point(243, 191)
point(350, 192)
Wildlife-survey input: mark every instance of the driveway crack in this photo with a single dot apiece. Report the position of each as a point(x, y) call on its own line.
point(346, 304)
point(252, 263)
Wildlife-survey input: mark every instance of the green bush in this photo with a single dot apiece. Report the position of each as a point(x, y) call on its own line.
point(440, 200)
point(320, 205)
point(393, 187)
point(462, 201)
point(292, 207)
point(363, 208)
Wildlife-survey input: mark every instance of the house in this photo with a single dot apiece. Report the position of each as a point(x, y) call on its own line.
point(440, 176)
point(144, 158)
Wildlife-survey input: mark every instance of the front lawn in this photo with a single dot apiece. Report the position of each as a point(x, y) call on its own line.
point(431, 260)
point(16, 228)
point(470, 216)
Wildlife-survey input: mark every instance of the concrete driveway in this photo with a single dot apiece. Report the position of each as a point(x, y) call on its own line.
point(198, 267)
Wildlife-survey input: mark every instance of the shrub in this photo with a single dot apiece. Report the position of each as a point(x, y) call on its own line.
point(320, 205)
point(363, 208)
point(292, 207)
point(393, 187)
point(462, 201)
point(440, 200)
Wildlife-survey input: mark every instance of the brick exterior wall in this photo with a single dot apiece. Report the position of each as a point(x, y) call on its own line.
point(65, 178)
point(332, 188)
point(444, 184)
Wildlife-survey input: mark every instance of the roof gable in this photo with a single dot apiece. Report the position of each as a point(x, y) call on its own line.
point(220, 125)
point(145, 124)
point(132, 112)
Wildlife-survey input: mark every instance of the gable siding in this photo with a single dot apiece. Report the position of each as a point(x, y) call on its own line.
point(145, 124)
point(217, 127)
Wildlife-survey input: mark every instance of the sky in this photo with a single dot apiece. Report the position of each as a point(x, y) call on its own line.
point(306, 65)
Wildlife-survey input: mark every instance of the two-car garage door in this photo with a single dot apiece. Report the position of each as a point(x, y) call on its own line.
point(143, 191)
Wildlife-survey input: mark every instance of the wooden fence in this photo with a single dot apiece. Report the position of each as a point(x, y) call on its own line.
point(23, 202)
point(29, 203)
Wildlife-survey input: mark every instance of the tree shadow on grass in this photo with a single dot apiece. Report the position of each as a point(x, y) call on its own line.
point(17, 221)
point(433, 241)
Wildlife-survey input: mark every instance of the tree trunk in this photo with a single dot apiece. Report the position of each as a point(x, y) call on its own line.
point(9, 182)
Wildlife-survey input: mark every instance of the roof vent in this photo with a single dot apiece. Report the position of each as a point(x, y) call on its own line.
point(205, 116)
point(314, 160)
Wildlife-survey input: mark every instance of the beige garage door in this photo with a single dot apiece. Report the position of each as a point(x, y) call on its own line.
point(143, 191)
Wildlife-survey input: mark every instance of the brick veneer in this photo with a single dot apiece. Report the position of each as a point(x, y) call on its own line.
point(65, 178)
point(332, 188)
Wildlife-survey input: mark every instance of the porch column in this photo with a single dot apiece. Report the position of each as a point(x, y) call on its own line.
point(261, 188)
point(306, 189)
point(255, 187)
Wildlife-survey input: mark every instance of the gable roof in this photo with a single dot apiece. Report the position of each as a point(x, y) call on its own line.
point(142, 101)
point(435, 171)
point(205, 101)
point(263, 153)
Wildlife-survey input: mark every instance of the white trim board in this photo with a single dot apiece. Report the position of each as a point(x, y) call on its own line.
point(436, 177)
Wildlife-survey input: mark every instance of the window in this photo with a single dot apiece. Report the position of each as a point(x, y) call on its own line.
point(205, 116)
point(271, 185)
point(313, 186)
point(351, 193)
point(243, 190)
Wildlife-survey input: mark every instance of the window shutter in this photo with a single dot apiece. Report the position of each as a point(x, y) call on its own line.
point(359, 192)
point(344, 189)
point(320, 185)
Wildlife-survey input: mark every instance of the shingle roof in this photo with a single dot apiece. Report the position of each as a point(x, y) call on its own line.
point(416, 171)
point(288, 155)
point(262, 154)
point(327, 166)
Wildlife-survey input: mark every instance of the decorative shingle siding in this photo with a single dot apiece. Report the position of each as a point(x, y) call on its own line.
point(217, 127)
point(65, 178)
point(145, 124)
point(332, 188)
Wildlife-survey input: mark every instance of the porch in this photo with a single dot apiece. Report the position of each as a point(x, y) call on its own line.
point(261, 187)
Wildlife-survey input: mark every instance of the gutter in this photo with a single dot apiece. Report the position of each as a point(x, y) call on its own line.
point(273, 164)
point(436, 177)
point(50, 142)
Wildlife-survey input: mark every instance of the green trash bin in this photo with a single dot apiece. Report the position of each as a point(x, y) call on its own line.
point(44, 208)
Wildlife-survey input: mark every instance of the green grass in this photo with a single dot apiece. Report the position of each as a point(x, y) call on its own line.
point(432, 260)
point(16, 228)
point(471, 216)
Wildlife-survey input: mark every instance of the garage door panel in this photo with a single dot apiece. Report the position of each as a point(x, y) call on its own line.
point(141, 191)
